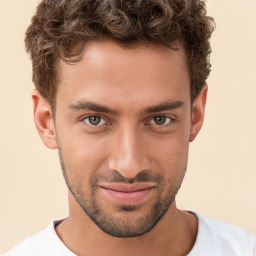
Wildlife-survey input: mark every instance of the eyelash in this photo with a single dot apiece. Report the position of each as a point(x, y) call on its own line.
point(97, 116)
point(170, 122)
point(163, 116)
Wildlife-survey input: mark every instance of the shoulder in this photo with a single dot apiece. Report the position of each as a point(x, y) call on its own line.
point(46, 242)
point(221, 238)
point(31, 245)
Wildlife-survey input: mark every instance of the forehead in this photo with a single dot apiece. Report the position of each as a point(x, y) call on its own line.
point(110, 72)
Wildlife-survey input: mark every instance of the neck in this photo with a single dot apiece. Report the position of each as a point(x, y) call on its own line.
point(176, 233)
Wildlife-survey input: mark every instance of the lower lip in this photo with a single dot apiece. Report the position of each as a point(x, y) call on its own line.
point(134, 197)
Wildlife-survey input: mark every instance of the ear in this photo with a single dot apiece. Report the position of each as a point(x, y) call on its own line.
point(44, 120)
point(198, 111)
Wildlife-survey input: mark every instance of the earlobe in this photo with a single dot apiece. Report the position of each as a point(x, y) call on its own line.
point(44, 121)
point(198, 112)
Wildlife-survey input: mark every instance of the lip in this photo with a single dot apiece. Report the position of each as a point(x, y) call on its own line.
point(128, 193)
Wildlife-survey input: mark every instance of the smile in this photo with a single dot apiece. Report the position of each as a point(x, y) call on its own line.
point(128, 193)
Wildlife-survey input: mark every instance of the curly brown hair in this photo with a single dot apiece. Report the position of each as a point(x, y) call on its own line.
point(61, 28)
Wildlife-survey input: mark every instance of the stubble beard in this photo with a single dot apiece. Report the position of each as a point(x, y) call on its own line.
point(126, 226)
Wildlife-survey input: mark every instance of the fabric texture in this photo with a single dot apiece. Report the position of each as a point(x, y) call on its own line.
point(214, 238)
point(254, 254)
point(218, 238)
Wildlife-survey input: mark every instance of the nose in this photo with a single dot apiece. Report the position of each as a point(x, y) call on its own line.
point(129, 152)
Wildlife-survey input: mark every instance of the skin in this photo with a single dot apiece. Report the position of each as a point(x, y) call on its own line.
point(127, 141)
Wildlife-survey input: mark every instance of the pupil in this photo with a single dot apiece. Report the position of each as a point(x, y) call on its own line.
point(94, 120)
point(160, 120)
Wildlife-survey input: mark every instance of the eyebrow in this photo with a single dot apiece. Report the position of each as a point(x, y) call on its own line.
point(167, 105)
point(88, 105)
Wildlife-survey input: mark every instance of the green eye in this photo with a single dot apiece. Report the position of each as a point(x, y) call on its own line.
point(94, 120)
point(160, 120)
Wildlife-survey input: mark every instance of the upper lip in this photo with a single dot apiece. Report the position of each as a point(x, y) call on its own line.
point(122, 187)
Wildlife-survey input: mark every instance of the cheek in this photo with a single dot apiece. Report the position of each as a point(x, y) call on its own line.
point(171, 154)
point(82, 154)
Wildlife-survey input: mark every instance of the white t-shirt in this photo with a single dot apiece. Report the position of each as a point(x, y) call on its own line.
point(214, 238)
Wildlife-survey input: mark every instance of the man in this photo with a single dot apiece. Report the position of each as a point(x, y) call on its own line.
point(120, 92)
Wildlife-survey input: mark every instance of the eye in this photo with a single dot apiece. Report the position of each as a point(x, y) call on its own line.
point(95, 120)
point(160, 120)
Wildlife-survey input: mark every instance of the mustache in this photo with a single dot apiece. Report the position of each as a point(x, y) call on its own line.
point(116, 177)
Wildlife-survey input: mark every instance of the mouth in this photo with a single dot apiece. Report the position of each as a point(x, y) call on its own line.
point(128, 194)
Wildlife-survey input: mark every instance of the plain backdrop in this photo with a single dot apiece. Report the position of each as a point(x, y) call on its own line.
point(221, 176)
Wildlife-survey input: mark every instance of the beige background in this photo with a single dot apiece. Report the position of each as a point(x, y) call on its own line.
point(221, 178)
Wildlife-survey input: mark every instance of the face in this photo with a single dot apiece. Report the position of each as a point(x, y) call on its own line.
point(123, 125)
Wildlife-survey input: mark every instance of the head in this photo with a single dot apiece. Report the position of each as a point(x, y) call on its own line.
point(121, 91)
